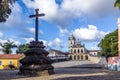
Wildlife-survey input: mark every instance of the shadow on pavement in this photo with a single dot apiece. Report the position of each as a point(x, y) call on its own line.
point(87, 72)
point(91, 66)
point(105, 77)
point(10, 74)
point(79, 72)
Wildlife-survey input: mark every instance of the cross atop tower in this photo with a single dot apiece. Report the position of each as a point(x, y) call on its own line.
point(36, 22)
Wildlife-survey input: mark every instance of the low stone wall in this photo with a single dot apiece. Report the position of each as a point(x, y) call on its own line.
point(98, 60)
point(94, 59)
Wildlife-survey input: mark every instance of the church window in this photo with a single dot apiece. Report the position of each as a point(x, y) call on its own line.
point(75, 57)
point(86, 57)
point(81, 50)
point(71, 50)
point(75, 51)
point(78, 57)
point(81, 57)
point(78, 51)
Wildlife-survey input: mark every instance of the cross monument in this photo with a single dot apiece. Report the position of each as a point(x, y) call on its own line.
point(36, 22)
point(36, 62)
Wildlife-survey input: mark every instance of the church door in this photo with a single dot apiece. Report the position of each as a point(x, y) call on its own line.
point(86, 57)
point(74, 57)
point(81, 57)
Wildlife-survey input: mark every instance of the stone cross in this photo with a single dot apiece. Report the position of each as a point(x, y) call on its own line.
point(36, 22)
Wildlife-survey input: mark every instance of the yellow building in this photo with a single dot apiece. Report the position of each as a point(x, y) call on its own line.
point(10, 60)
point(77, 51)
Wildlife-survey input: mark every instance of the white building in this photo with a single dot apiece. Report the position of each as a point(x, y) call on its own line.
point(76, 50)
point(57, 55)
point(93, 52)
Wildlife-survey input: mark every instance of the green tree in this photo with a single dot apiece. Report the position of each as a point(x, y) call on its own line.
point(5, 9)
point(22, 48)
point(7, 46)
point(117, 4)
point(109, 45)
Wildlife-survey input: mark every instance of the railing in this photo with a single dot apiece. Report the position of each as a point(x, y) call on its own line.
point(59, 58)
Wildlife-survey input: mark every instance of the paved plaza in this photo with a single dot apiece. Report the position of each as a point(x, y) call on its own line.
point(76, 64)
point(68, 70)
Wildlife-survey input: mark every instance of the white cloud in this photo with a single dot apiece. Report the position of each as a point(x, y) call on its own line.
point(49, 44)
point(15, 41)
point(2, 40)
point(44, 42)
point(63, 15)
point(28, 40)
point(1, 34)
point(56, 42)
point(49, 7)
point(31, 30)
point(15, 17)
point(41, 32)
point(63, 31)
point(92, 7)
point(90, 33)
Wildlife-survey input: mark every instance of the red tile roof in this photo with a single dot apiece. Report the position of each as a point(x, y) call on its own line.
point(11, 56)
point(93, 50)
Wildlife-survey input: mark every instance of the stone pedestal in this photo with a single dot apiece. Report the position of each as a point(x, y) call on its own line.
point(36, 62)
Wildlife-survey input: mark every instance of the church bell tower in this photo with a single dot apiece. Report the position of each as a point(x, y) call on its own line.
point(71, 42)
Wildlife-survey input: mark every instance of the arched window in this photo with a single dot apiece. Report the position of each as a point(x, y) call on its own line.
point(78, 51)
point(71, 50)
point(81, 50)
point(74, 57)
point(86, 57)
point(75, 51)
point(78, 57)
point(81, 57)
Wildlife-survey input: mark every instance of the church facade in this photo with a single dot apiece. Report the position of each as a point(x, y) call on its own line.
point(76, 50)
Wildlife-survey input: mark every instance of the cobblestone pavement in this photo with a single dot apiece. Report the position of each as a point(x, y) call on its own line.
point(63, 73)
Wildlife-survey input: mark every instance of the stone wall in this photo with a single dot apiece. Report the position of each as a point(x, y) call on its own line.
point(94, 59)
point(98, 60)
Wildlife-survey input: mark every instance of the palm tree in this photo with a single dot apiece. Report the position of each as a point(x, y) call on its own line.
point(7, 46)
point(22, 48)
point(5, 9)
point(117, 4)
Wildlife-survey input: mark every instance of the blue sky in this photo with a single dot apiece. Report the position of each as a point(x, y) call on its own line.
point(88, 20)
